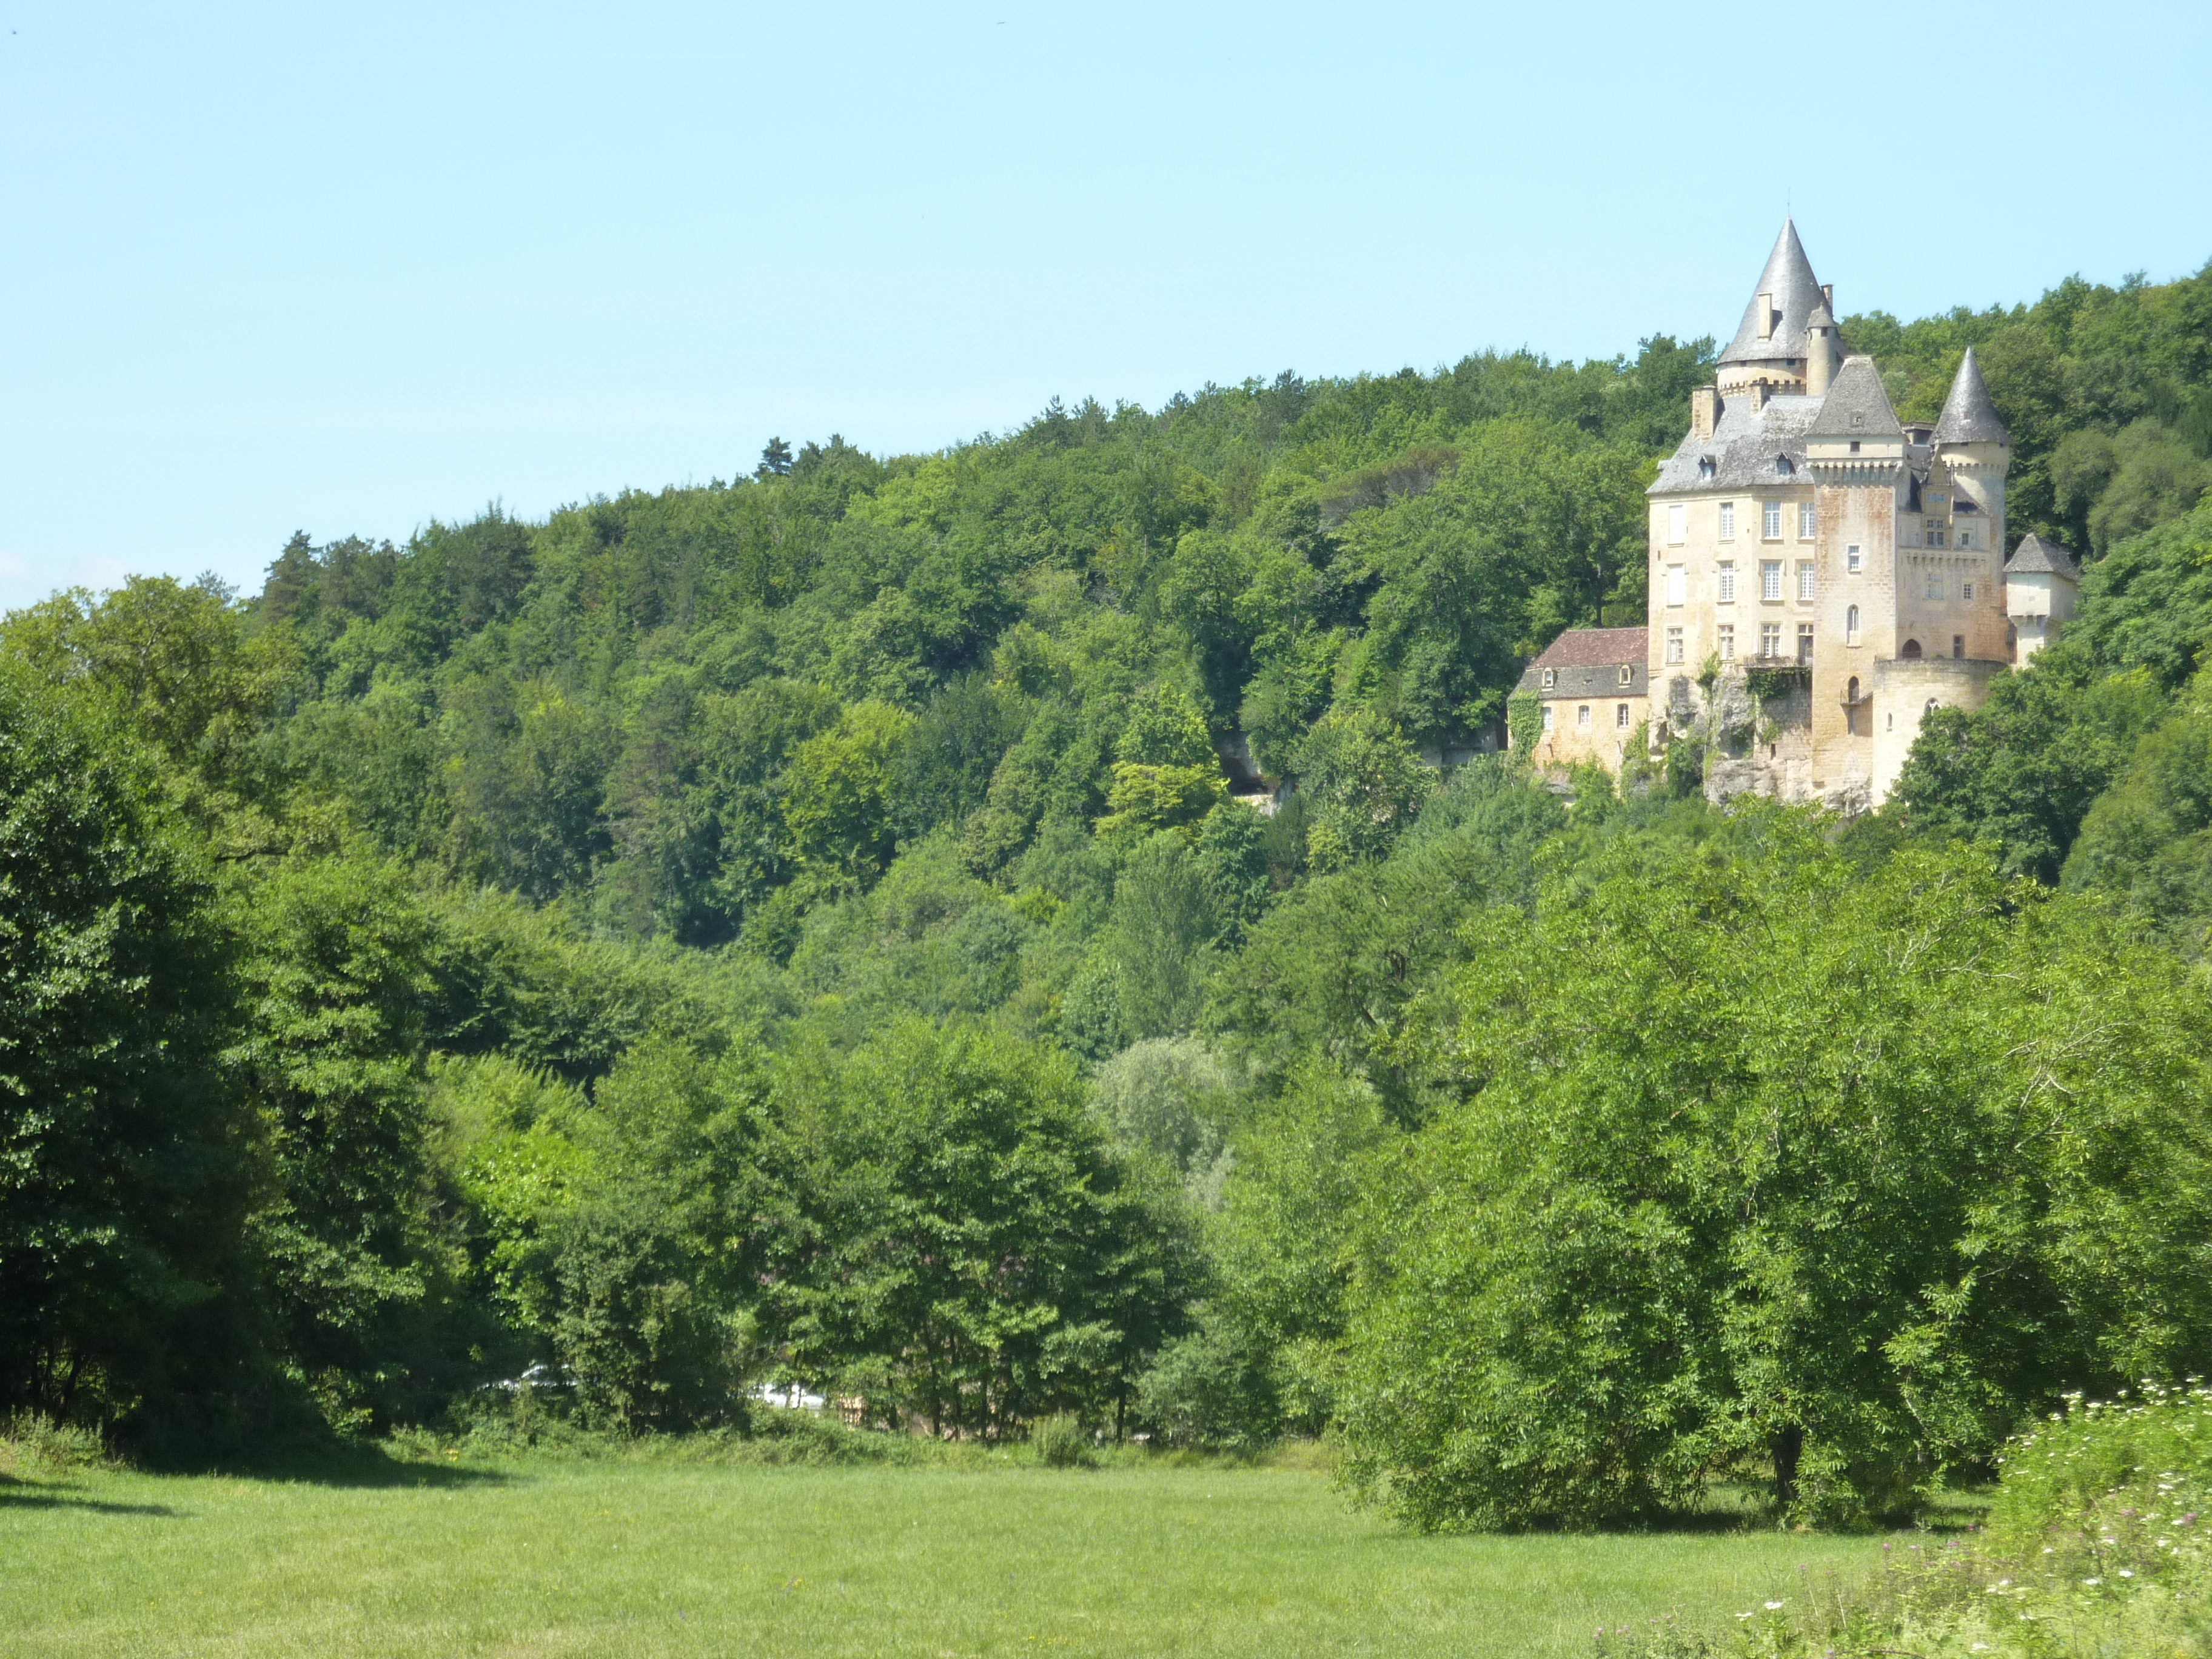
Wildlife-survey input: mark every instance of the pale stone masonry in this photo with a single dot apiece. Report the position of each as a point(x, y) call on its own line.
point(1594, 687)
point(1822, 574)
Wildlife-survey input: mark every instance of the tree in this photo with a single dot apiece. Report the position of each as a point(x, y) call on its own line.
point(130, 1158)
point(1838, 1173)
point(334, 976)
point(776, 459)
point(979, 1257)
point(1365, 781)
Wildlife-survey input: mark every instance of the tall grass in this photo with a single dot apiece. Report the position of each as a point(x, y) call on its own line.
point(2095, 1549)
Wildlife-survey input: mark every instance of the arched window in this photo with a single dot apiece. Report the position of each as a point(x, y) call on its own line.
point(1851, 624)
point(1852, 694)
point(1911, 651)
point(1929, 707)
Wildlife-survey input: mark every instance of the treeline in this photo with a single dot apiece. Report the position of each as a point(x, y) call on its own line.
point(806, 929)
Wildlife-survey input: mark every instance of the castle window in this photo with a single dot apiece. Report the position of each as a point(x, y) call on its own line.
point(1855, 445)
point(1727, 521)
point(1851, 691)
point(1620, 717)
point(1851, 629)
point(2012, 643)
point(1677, 585)
point(1929, 707)
point(1804, 641)
point(1858, 419)
point(1935, 584)
point(1770, 527)
point(1966, 536)
point(1959, 646)
point(1910, 652)
point(1673, 645)
point(1934, 527)
point(1705, 467)
point(1627, 674)
point(1805, 521)
point(1769, 640)
point(1582, 717)
point(1966, 590)
point(1551, 678)
point(1727, 641)
point(1725, 581)
point(1785, 466)
point(1548, 717)
point(1770, 579)
point(1852, 558)
point(1804, 579)
point(1677, 530)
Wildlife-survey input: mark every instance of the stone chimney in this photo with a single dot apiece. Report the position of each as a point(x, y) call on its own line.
point(1705, 411)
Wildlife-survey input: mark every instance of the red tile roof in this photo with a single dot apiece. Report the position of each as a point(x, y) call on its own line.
point(1594, 647)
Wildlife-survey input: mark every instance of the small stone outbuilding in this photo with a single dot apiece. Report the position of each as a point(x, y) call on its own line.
point(1593, 685)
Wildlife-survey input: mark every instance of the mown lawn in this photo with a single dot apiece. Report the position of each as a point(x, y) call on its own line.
point(580, 1557)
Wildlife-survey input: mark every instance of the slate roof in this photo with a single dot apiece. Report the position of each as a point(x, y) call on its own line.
point(2034, 555)
point(1968, 415)
point(1856, 406)
point(1788, 279)
point(1586, 662)
point(1594, 647)
point(1745, 447)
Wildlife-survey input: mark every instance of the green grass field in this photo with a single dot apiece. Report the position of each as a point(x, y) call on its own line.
point(577, 1558)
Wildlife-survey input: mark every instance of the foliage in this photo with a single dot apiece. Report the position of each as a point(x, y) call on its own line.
point(130, 1160)
point(2096, 1545)
point(1719, 1223)
point(981, 1257)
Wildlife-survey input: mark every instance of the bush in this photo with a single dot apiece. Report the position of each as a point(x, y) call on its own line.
point(2096, 1546)
point(33, 1443)
point(1211, 1389)
point(1063, 1443)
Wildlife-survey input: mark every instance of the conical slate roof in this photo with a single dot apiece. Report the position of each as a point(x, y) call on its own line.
point(1856, 406)
point(1968, 415)
point(2034, 553)
point(1789, 279)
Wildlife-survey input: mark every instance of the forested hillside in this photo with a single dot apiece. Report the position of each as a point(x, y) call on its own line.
point(802, 927)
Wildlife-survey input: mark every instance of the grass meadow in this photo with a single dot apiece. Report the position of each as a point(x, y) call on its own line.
point(555, 1557)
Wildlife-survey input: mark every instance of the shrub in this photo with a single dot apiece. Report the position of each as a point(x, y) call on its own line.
point(1063, 1443)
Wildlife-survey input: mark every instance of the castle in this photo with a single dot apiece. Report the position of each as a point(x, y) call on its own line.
point(1822, 574)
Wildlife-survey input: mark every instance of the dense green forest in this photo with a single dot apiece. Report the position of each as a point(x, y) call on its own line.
point(806, 929)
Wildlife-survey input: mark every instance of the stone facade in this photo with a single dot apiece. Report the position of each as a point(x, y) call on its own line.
point(1821, 573)
point(1594, 688)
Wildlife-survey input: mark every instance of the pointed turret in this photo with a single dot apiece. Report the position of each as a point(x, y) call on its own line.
point(1770, 343)
point(1969, 416)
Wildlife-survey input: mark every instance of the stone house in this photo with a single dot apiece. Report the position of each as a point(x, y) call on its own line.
point(1593, 685)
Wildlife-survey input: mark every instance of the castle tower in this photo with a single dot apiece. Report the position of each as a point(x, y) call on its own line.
point(1771, 344)
point(1976, 450)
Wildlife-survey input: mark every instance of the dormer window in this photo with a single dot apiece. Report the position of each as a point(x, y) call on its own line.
point(1784, 467)
point(1705, 466)
point(1627, 674)
point(1551, 678)
point(1858, 419)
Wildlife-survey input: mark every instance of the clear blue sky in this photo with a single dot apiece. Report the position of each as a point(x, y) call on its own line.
point(346, 268)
